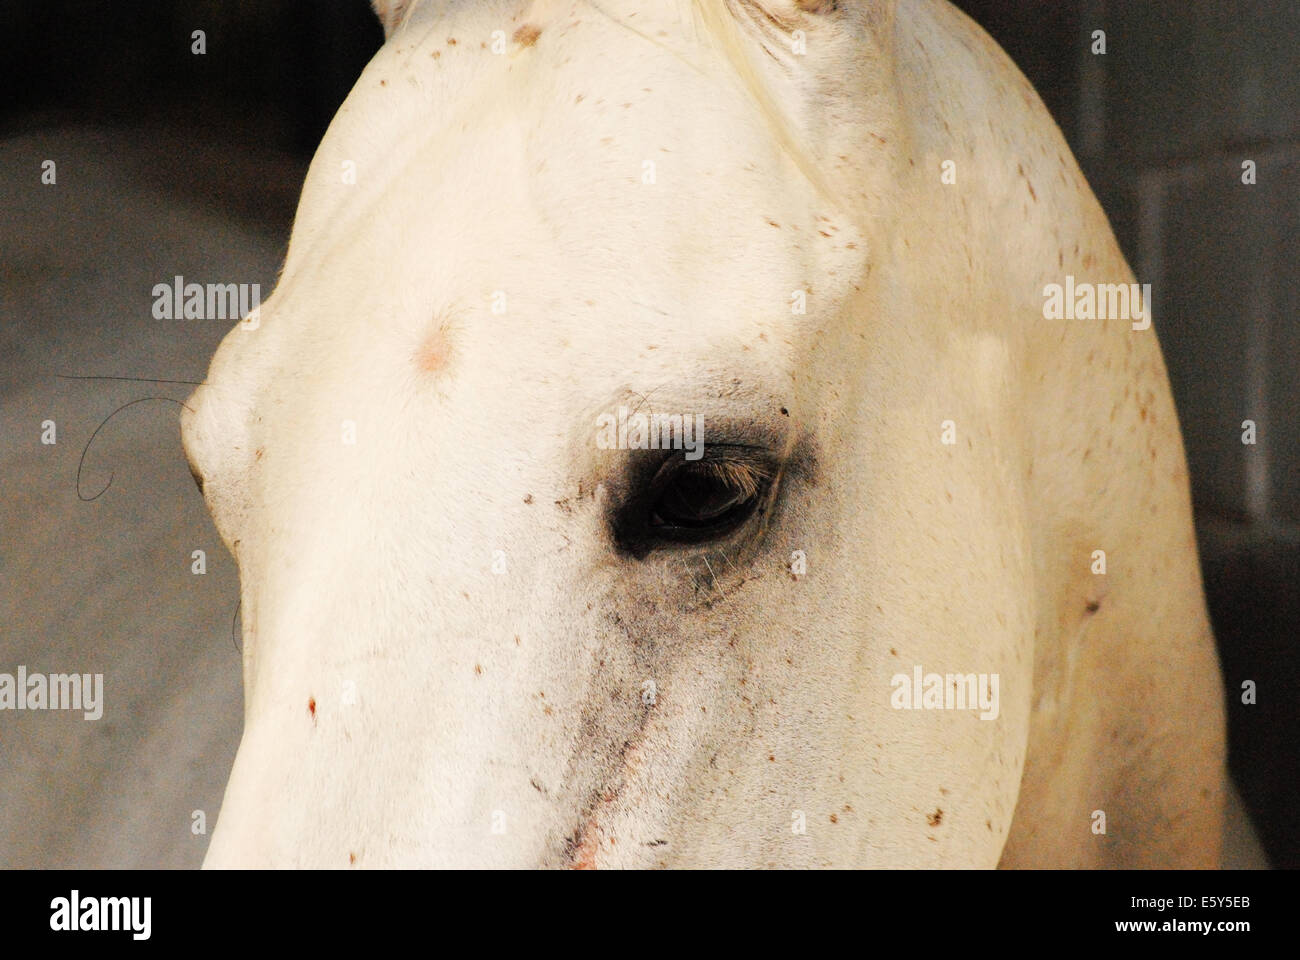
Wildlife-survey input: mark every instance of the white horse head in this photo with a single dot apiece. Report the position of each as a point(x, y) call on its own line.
point(482, 626)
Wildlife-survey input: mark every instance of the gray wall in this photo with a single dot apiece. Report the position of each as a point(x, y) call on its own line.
point(1186, 92)
point(1185, 95)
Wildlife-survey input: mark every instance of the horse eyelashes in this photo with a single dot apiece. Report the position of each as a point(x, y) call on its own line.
point(694, 501)
point(706, 494)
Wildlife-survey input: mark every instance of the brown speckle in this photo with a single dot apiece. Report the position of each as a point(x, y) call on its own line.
point(352, 858)
point(478, 670)
point(311, 708)
point(1093, 606)
point(935, 818)
point(526, 35)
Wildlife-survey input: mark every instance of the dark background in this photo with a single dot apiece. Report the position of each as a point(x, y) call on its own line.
point(1187, 90)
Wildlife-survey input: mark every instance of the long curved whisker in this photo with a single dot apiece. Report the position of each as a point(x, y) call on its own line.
point(82, 462)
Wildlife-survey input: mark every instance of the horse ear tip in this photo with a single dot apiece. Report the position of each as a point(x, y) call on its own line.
point(390, 14)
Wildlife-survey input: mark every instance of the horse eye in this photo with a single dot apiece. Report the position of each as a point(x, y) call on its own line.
point(703, 499)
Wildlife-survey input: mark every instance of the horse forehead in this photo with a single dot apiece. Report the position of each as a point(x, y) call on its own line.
point(591, 85)
point(558, 191)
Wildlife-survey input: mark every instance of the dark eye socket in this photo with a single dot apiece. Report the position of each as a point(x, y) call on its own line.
point(695, 500)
